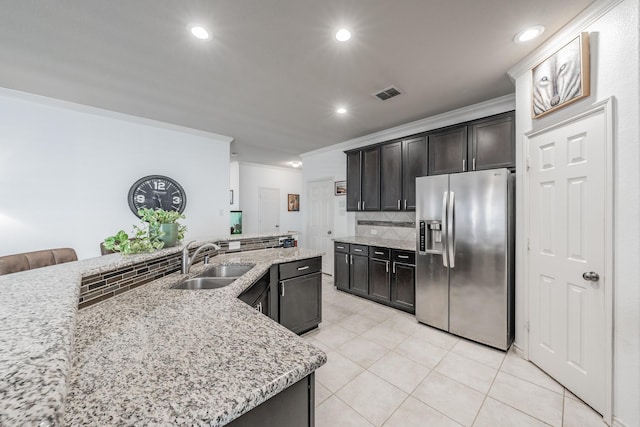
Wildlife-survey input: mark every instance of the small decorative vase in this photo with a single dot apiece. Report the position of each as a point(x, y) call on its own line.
point(170, 236)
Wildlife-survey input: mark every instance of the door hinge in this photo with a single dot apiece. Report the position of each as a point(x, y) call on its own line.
point(527, 163)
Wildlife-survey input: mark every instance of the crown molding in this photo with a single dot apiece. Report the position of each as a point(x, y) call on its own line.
point(587, 17)
point(465, 114)
point(280, 168)
point(95, 111)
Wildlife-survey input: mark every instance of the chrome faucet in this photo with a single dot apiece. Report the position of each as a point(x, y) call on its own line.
point(187, 261)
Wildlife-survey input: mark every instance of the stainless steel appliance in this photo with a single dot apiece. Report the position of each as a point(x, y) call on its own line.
point(465, 254)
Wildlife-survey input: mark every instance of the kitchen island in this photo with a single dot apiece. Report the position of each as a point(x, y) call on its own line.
point(153, 355)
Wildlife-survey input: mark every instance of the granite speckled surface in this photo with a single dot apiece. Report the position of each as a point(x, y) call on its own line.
point(407, 245)
point(141, 347)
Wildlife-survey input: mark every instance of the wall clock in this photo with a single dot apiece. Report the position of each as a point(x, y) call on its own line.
point(157, 192)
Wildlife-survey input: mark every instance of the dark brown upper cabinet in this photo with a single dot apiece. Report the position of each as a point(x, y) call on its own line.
point(363, 179)
point(353, 180)
point(401, 162)
point(492, 143)
point(448, 150)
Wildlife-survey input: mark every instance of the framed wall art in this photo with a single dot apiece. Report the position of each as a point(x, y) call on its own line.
point(562, 78)
point(293, 202)
point(341, 188)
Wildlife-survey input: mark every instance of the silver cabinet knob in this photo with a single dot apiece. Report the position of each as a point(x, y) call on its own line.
point(591, 276)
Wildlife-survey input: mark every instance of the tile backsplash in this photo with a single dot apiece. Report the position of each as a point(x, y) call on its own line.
point(386, 225)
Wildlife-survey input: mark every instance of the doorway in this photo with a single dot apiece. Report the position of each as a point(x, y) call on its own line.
point(269, 210)
point(570, 238)
point(320, 222)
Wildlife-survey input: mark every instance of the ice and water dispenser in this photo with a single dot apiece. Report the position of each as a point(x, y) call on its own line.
point(430, 236)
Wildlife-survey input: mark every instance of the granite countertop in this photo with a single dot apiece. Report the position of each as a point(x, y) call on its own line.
point(151, 355)
point(407, 245)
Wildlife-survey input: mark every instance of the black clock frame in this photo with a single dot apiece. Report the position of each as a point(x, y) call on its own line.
point(168, 183)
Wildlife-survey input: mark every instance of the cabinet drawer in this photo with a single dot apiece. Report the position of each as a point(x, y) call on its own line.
point(359, 249)
point(341, 247)
point(405, 257)
point(378, 252)
point(299, 268)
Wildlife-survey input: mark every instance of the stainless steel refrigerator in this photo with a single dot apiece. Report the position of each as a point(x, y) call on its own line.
point(465, 254)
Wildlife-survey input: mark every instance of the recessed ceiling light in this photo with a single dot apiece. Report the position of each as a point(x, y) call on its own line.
point(342, 35)
point(199, 32)
point(528, 34)
point(341, 110)
point(295, 164)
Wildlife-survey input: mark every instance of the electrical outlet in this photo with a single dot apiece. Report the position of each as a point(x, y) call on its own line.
point(374, 231)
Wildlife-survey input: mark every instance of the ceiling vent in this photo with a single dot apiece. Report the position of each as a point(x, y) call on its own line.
point(387, 93)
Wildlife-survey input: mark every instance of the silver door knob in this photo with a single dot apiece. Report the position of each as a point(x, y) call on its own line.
point(591, 276)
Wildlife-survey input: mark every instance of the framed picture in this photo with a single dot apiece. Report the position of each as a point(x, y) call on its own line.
point(341, 188)
point(562, 78)
point(293, 202)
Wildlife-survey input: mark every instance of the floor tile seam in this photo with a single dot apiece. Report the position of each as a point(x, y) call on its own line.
point(432, 343)
point(352, 408)
point(526, 413)
point(486, 395)
point(512, 407)
point(477, 361)
point(354, 361)
point(435, 409)
point(532, 383)
point(388, 382)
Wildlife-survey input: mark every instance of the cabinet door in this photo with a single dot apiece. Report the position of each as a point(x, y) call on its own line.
point(370, 184)
point(493, 143)
point(391, 177)
point(379, 284)
point(359, 274)
point(403, 287)
point(414, 164)
point(341, 270)
point(353, 180)
point(300, 302)
point(448, 151)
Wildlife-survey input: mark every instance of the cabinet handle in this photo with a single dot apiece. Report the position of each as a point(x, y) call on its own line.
point(351, 259)
point(394, 267)
point(403, 256)
point(379, 253)
point(282, 291)
point(303, 268)
point(358, 204)
point(464, 165)
point(358, 250)
point(340, 247)
point(474, 163)
point(387, 266)
point(346, 258)
point(398, 204)
point(405, 204)
point(259, 307)
point(363, 205)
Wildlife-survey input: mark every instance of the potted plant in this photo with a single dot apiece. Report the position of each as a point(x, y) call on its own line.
point(162, 230)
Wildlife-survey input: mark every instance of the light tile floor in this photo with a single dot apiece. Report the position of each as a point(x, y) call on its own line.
point(386, 369)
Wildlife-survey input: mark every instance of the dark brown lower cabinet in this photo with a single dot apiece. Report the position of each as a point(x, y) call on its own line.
point(359, 274)
point(341, 270)
point(300, 302)
point(292, 407)
point(379, 279)
point(403, 291)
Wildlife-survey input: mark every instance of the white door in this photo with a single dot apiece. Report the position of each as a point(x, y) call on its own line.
point(320, 223)
point(568, 233)
point(269, 209)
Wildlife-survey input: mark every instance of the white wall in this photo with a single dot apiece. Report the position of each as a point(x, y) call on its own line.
point(66, 169)
point(288, 181)
point(331, 164)
point(614, 73)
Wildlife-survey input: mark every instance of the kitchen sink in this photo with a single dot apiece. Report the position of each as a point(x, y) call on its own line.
point(226, 270)
point(205, 283)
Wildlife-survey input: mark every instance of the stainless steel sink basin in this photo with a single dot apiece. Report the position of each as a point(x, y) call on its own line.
point(227, 270)
point(205, 283)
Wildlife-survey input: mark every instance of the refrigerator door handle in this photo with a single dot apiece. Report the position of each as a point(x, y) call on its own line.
point(451, 237)
point(445, 200)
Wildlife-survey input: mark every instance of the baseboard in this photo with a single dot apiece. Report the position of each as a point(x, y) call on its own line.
point(617, 422)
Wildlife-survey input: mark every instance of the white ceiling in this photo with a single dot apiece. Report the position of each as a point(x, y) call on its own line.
point(272, 74)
